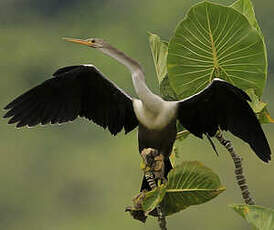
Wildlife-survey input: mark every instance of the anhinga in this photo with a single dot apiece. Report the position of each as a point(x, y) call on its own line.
point(84, 91)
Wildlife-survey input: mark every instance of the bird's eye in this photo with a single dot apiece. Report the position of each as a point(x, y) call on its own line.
point(93, 40)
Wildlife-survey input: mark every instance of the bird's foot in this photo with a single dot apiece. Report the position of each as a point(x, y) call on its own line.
point(154, 163)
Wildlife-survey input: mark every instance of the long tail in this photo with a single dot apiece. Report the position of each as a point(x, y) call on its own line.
point(168, 167)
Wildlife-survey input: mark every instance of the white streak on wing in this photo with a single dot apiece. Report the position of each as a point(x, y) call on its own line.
point(215, 79)
point(90, 65)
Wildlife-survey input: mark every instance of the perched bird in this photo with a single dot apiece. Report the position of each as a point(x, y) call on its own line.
point(82, 90)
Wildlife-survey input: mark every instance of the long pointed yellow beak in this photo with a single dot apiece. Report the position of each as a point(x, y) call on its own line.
point(79, 41)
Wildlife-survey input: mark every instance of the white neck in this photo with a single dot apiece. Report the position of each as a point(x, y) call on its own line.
point(149, 99)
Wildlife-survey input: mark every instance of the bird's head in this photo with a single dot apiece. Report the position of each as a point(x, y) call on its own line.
point(91, 42)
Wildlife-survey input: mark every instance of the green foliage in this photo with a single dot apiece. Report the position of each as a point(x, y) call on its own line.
point(256, 104)
point(166, 90)
point(264, 116)
point(261, 218)
point(191, 29)
point(190, 183)
point(215, 41)
point(246, 8)
point(159, 54)
point(159, 50)
point(59, 177)
point(153, 198)
point(211, 41)
point(259, 107)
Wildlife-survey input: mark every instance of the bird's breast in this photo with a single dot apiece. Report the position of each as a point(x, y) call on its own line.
point(155, 120)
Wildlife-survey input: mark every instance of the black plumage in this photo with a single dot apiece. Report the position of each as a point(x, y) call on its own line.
point(84, 91)
point(222, 105)
point(75, 91)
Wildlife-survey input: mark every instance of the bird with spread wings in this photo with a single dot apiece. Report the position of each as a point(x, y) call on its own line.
point(83, 91)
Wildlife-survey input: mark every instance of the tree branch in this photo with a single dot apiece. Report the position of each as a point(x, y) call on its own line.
point(239, 173)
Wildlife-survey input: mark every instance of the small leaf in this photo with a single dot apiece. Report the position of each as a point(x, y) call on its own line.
point(264, 117)
point(153, 198)
point(159, 54)
point(259, 107)
point(261, 218)
point(190, 183)
point(167, 93)
point(215, 41)
point(256, 104)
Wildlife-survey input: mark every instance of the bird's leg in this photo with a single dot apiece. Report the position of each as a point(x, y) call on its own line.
point(155, 170)
point(238, 168)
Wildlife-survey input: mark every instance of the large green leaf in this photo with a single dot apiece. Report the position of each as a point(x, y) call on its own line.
point(261, 218)
point(159, 54)
point(190, 183)
point(215, 41)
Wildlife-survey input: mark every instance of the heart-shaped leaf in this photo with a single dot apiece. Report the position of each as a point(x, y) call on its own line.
point(215, 41)
point(190, 183)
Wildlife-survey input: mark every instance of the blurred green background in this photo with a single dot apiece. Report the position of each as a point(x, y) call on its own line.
point(77, 176)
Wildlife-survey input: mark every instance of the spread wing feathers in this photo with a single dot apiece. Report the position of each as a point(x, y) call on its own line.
point(75, 91)
point(222, 105)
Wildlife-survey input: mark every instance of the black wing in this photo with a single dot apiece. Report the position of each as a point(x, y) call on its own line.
point(222, 105)
point(75, 91)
